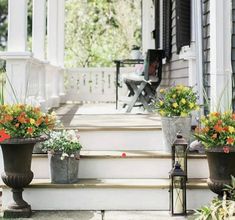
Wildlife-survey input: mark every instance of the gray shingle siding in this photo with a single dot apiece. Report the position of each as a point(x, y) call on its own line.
point(176, 70)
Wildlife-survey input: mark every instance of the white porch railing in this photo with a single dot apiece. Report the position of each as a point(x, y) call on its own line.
point(43, 84)
point(93, 84)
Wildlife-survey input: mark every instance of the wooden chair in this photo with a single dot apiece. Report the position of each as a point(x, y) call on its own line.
point(143, 88)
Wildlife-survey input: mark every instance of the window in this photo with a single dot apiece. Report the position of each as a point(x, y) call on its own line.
point(183, 23)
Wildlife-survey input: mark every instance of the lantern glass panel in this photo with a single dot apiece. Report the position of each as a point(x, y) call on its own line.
point(178, 195)
point(180, 151)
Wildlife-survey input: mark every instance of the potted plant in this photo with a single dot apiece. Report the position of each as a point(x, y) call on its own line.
point(217, 135)
point(63, 152)
point(135, 52)
point(21, 126)
point(219, 208)
point(175, 105)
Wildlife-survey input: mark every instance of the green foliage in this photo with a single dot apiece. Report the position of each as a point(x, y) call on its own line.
point(176, 101)
point(19, 120)
point(3, 23)
point(218, 130)
point(65, 142)
point(99, 31)
point(219, 209)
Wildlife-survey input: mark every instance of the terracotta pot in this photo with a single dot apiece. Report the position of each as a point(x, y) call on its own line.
point(221, 167)
point(17, 157)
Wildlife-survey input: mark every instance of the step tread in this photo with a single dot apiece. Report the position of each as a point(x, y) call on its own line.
point(112, 122)
point(128, 154)
point(117, 183)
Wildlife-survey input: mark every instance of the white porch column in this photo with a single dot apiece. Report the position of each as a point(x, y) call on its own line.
point(38, 46)
point(54, 49)
point(148, 26)
point(17, 58)
point(17, 25)
point(220, 51)
point(39, 29)
point(52, 32)
point(61, 23)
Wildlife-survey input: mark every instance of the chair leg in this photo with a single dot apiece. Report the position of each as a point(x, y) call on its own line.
point(138, 92)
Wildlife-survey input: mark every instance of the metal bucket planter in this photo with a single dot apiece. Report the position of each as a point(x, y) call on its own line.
point(63, 170)
point(221, 167)
point(173, 125)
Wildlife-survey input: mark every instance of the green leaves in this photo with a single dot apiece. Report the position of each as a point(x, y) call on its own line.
point(99, 31)
point(176, 101)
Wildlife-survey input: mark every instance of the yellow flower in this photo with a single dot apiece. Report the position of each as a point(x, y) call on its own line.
point(175, 105)
point(161, 103)
point(162, 90)
point(183, 101)
point(162, 113)
point(183, 114)
point(197, 108)
point(32, 121)
point(191, 105)
point(231, 129)
point(174, 96)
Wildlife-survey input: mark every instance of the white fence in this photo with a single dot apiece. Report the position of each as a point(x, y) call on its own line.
point(93, 84)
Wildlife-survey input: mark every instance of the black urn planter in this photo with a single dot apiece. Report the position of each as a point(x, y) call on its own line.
point(221, 167)
point(17, 157)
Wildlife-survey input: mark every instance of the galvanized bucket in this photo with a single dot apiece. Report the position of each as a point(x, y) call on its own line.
point(63, 170)
point(173, 125)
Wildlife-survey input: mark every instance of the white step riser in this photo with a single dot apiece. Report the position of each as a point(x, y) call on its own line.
point(122, 140)
point(124, 168)
point(105, 198)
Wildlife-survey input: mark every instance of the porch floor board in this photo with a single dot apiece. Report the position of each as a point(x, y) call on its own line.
point(104, 116)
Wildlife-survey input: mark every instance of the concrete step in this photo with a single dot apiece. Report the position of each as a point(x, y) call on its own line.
point(109, 194)
point(135, 164)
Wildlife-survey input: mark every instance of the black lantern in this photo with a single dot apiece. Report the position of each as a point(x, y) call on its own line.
point(179, 152)
point(178, 191)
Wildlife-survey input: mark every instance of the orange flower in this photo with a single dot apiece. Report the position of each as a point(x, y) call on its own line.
point(22, 118)
point(205, 130)
point(47, 120)
point(218, 128)
point(30, 130)
point(36, 109)
point(215, 114)
point(214, 136)
point(230, 140)
point(8, 118)
point(38, 122)
point(219, 122)
point(233, 116)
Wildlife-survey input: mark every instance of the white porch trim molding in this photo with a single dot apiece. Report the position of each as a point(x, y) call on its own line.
point(148, 25)
point(220, 51)
point(194, 53)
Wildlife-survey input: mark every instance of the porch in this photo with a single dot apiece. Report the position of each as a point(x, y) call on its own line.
point(123, 164)
point(107, 179)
